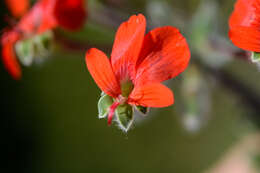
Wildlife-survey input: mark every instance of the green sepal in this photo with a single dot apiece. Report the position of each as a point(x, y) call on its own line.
point(43, 43)
point(37, 46)
point(104, 103)
point(102, 93)
point(24, 51)
point(255, 57)
point(143, 110)
point(125, 116)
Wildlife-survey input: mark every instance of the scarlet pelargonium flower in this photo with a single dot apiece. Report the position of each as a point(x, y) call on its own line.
point(138, 65)
point(244, 25)
point(44, 16)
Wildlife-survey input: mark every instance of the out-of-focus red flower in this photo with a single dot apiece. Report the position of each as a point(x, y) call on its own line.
point(44, 15)
point(244, 25)
point(18, 7)
point(70, 14)
point(139, 63)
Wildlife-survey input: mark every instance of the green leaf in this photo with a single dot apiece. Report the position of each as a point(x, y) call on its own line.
point(255, 57)
point(142, 110)
point(125, 117)
point(104, 103)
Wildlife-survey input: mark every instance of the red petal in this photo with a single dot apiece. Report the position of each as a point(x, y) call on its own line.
point(18, 7)
point(164, 55)
point(100, 68)
point(46, 15)
point(151, 95)
point(38, 19)
point(244, 25)
point(70, 14)
point(247, 38)
point(10, 61)
point(127, 46)
point(246, 13)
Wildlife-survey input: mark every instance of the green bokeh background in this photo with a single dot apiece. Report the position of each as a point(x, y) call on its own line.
point(50, 116)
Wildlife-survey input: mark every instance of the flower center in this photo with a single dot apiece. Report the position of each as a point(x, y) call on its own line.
point(121, 99)
point(126, 87)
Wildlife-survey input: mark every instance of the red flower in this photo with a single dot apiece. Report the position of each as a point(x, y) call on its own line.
point(70, 14)
point(138, 64)
point(18, 7)
point(44, 15)
point(244, 25)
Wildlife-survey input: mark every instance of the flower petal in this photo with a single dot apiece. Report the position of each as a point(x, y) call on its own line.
point(10, 61)
point(18, 7)
point(100, 68)
point(247, 38)
point(246, 13)
point(127, 46)
point(151, 95)
point(164, 55)
point(244, 25)
point(44, 10)
point(38, 19)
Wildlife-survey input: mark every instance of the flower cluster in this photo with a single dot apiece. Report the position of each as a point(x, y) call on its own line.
point(43, 16)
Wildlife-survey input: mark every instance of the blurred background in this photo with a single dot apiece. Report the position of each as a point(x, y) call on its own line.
point(50, 116)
